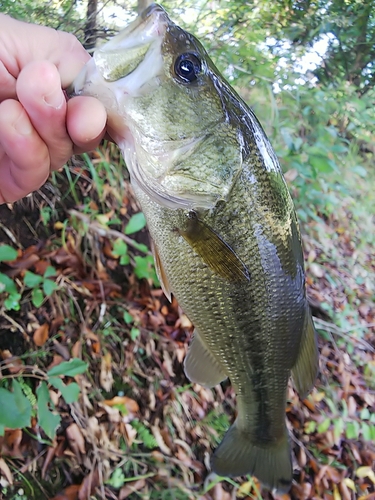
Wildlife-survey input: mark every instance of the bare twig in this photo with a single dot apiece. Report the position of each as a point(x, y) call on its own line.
point(10, 235)
point(13, 322)
point(330, 327)
point(101, 230)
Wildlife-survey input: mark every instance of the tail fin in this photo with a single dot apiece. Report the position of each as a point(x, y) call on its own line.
point(237, 455)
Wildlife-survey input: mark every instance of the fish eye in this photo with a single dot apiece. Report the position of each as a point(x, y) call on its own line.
point(187, 67)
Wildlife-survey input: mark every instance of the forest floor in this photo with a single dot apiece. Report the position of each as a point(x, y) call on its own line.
point(139, 428)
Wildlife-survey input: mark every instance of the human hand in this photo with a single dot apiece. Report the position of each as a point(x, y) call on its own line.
point(39, 130)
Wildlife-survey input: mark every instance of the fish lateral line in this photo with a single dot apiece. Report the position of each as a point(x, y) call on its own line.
point(214, 250)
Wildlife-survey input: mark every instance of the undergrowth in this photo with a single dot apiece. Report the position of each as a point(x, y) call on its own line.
point(87, 294)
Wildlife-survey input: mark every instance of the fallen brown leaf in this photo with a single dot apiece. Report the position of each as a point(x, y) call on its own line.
point(88, 485)
point(159, 439)
point(77, 349)
point(5, 471)
point(130, 404)
point(49, 457)
point(129, 434)
point(69, 493)
point(40, 266)
point(12, 363)
point(13, 440)
point(76, 439)
point(131, 488)
point(106, 377)
point(41, 334)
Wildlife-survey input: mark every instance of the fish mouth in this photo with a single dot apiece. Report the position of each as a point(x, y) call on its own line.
point(137, 46)
point(153, 9)
point(132, 64)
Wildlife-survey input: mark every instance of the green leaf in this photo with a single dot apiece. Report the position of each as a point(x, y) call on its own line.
point(310, 427)
point(49, 287)
point(15, 408)
point(145, 268)
point(68, 368)
point(7, 284)
point(70, 392)
point(141, 247)
point(352, 430)
point(13, 302)
point(136, 223)
point(321, 164)
point(114, 222)
point(128, 318)
point(48, 420)
point(365, 414)
point(134, 333)
point(366, 432)
point(324, 426)
point(32, 280)
point(120, 248)
point(7, 253)
point(45, 214)
point(124, 260)
point(338, 428)
point(50, 271)
point(141, 269)
point(361, 171)
point(117, 479)
point(37, 297)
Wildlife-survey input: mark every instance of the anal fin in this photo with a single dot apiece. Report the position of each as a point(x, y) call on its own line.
point(305, 371)
point(200, 364)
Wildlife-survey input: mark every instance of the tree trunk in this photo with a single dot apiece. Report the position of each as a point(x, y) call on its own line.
point(90, 27)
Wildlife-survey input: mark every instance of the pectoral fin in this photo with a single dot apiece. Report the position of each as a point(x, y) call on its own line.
point(161, 273)
point(305, 370)
point(214, 251)
point(201, 366)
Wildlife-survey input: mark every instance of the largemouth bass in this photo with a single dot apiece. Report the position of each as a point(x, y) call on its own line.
point(225, 235)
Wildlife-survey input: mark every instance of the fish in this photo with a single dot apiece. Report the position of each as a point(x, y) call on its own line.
point(223, 227)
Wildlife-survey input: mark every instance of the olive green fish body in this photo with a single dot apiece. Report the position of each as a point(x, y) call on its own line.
point(224, 230)
point(252, 328)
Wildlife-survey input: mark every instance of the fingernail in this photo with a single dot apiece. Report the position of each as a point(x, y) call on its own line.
point(23, 125)
point(55, 99)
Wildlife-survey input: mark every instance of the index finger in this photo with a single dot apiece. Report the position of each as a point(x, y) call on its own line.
point(69, 56)
point(7, 84)
point(21, 43)
point(20, 173)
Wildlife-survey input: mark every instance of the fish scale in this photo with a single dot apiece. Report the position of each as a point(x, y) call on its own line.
point(234, 353)
point(225, 235)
